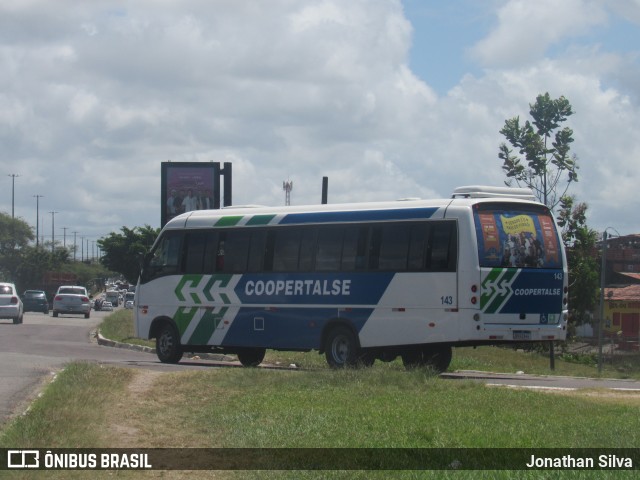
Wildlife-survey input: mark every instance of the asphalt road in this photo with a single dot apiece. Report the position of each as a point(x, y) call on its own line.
point(32, 352)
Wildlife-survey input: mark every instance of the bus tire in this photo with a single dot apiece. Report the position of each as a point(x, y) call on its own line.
point(341, 348)
point(168, 348)
point(436, 357)
point(251, 357)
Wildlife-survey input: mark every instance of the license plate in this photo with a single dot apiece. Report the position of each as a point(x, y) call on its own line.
point(522, 335)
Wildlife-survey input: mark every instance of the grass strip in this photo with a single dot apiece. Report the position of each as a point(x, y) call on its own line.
point(67, 412)
point(378, 407)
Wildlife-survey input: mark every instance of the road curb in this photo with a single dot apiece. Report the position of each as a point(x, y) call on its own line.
point(141, 348)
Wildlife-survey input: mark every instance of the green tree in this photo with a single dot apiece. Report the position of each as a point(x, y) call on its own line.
point(580, 242)
point(543, 159)
point(123, 252)
point(34, 262)
point(15, 235)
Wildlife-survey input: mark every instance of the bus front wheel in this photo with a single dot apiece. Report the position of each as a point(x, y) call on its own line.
point(341, 348)
point(168, 346)
point(251, 357)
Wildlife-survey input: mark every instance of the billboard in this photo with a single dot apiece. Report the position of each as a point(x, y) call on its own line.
point(188, 186)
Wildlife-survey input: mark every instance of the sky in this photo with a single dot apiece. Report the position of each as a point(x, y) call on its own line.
point(388, 99)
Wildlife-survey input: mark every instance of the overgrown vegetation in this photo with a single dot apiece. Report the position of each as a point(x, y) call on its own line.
point(25, 264)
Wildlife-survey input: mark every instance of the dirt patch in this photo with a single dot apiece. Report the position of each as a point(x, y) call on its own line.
point(124, 430)
point(143, 381)
point(128, 429)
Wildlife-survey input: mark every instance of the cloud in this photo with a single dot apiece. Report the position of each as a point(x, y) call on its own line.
point(94, 98)
point(526, 29)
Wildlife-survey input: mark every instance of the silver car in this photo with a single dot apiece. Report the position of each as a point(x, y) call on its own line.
point(107, 307)
point(72, 299)
point(10, 304)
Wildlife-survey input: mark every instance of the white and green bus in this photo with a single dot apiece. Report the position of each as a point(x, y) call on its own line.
point(357, 282)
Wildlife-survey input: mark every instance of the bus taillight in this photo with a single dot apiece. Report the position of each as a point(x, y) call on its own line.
point(474, 299)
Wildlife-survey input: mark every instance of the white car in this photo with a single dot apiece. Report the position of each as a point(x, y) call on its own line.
point(107, 307)
point(10, 303)
point(128, 304)
point(72, 299)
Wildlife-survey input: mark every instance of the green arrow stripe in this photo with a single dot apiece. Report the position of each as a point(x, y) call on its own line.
point(224, 281)
point(260, 219)
point(193, 280)
point(208, 324)
point(183, 317)
point(498, 279)
point(229, 221)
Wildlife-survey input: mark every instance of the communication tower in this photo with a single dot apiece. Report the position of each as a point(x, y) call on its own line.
point(287, 187)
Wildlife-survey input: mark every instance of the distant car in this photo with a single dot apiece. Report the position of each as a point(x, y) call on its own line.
point(128, 304)
point(10, 304)
point(35, 301)
point(72, 299)
point(107, 306)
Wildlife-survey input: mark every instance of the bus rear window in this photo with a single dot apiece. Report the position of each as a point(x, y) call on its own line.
point(509, 237)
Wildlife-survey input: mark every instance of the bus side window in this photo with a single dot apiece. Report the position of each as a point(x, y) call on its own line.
point(308, 239)
point(394, 247)
point(354, 248)
point(219, 248)
point(195, 249)
point(211, 245)
point(329, 252)
point(418, 247)
point(165, 258)
point(286, 249)
point(257, 260)
point(374, 247)
point(443, 243)
point(236, 251)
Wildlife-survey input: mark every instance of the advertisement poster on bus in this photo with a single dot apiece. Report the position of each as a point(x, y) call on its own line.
point(186, 186)
point(517, 239)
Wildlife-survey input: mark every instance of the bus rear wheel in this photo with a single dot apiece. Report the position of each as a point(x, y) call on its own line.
point(341, 348)
point(436, 357)
point(251, 357)
point(168, 346)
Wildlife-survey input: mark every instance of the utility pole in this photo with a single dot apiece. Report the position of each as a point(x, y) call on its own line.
point(13, 190)
point(74, 245)
point(53, 222)
point(38, 197)
point(603, 271)
point(64, 237)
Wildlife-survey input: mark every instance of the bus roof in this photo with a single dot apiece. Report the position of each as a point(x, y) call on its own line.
point(405, 209)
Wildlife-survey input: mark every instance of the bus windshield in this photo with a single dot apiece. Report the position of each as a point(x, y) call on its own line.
point(510, 236)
